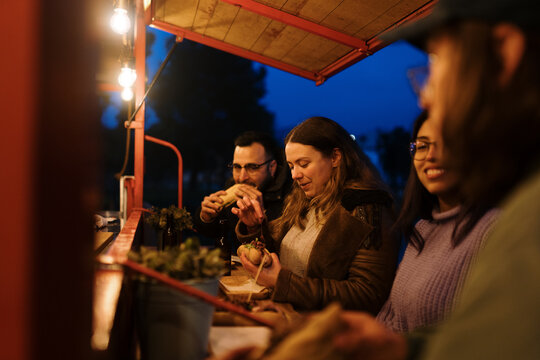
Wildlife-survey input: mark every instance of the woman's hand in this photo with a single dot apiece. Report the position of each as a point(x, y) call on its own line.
point(268, 276)
point(367, 339)
point(249, 211)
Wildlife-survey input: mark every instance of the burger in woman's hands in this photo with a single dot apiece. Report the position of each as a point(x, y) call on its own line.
point(255, 252)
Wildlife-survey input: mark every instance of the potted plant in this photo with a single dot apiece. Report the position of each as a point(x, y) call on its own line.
point(169, 223)
point(173, 325)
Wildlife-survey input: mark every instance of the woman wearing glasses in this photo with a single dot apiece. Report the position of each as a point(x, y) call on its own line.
point(333, 238)
point(441, 244)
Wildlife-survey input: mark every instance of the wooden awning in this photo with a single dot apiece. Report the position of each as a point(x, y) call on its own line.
point(314, 39)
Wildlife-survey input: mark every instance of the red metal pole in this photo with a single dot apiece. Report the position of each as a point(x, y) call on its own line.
point(180, 163)
point(140, 64)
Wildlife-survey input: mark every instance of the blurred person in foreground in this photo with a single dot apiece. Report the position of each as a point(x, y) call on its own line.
point(333, 239)
point(260, 171)
point(441, 245)
point(485, 86)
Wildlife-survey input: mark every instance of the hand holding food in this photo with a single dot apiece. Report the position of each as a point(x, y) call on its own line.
point(214, 203)
point(255, 252)
point(244, 190)
point(211, 206)
point(267, 276)
point(230, 196)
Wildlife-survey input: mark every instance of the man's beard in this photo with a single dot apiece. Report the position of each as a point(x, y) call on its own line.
point(261, 187)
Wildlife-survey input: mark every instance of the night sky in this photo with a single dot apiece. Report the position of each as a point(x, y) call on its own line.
point(372, 94)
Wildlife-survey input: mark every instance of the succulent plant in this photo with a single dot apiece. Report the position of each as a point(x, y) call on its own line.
point(180, 217)
point(187, 261)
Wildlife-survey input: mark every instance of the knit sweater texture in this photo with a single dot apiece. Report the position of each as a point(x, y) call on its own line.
point(426, 286)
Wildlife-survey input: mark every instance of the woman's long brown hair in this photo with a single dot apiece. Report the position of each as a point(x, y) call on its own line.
point(354, 171)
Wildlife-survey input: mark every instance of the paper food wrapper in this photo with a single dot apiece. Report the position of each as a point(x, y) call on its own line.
point(242, 284)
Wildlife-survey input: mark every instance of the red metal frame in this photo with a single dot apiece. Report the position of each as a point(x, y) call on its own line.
point(122, 244)
point(300, 23)
point(140, 65)
point(373, 45)
point(180, 162)
point(108, 282)
point(362, 49)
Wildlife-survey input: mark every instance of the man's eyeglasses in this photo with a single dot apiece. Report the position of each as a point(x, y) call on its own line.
point(250, 168)
point(419, 149)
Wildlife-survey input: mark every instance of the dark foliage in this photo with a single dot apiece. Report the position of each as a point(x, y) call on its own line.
point(392, 148)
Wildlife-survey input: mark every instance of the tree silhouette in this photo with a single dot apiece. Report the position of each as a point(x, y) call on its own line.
point(204, 98)
point(394, 158)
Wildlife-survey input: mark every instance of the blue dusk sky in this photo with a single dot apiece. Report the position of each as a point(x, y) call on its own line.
point(374, 94)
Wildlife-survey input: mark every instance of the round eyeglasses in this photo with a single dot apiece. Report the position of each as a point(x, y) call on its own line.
point(250, 167)
point(419, 149)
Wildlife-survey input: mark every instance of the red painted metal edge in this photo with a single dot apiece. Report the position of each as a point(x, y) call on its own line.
point(220, 45)
point(342, 63)
point(180, 162)
point(373, 45)
point(201, 295)
point(299, 23)
point(122, 244)
point(419, 13)
point(148, 13)
point(140, 67)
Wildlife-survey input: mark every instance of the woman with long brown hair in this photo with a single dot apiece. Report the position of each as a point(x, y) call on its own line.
point(333, 238)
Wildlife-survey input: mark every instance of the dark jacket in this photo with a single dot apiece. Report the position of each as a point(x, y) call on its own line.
point(273, 197)
point(353, 260)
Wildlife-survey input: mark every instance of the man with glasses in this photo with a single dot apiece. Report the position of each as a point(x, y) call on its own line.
point(258, 167)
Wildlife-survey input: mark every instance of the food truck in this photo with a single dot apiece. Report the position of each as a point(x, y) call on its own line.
point(63, 297)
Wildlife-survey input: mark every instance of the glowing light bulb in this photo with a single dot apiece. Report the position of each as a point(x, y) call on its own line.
point(120, 22)
point(127, 94)
point(127, 77)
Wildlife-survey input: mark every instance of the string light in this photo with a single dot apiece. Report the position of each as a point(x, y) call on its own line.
point(127, 77)
point(120, 22)
point(127, 94)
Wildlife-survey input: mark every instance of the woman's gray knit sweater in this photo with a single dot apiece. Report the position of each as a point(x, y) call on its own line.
point(426, 283)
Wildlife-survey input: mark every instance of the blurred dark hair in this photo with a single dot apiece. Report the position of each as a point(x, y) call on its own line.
point(266, 140)
point(491, 129)
point(418, 203)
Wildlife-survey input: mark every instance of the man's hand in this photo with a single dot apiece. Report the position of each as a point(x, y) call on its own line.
point(211, 206)
point(249, 212)
point(251, 192)
point(367, 339)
